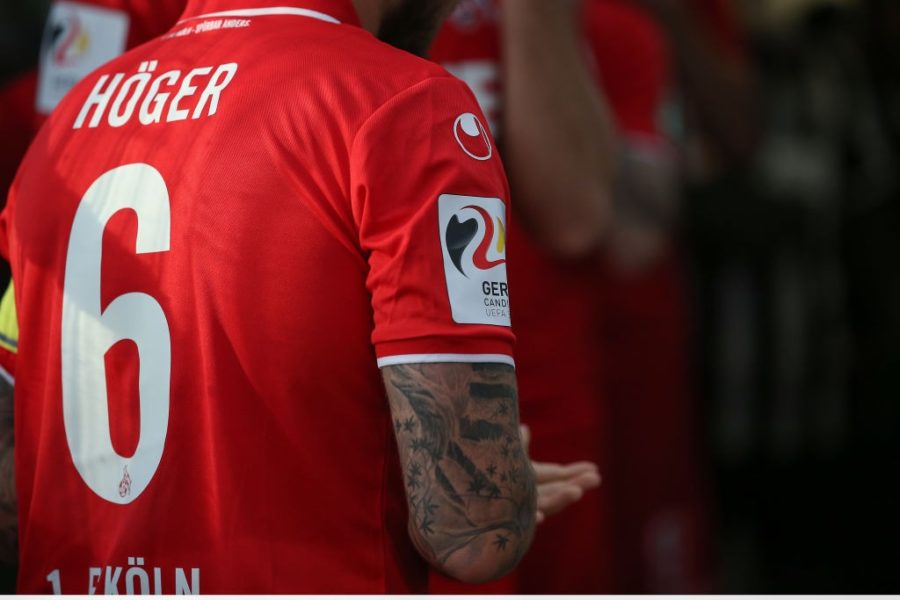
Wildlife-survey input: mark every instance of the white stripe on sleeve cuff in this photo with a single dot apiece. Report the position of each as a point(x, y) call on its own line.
point(410, 359)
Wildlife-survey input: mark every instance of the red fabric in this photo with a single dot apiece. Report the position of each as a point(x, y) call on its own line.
point(559, 356)
point(633, 64)
point(660, 501)
point(647, 529)
point(293, 210)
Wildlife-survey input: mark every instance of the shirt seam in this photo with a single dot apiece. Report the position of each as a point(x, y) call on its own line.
point(399, 95)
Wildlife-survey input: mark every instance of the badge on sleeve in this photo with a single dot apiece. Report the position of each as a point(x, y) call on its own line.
point(78, 38)
point(473, 239)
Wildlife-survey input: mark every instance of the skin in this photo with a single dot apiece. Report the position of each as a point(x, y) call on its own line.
point(559, 486)
point(474, 496)
point(559, 140)
point(721, 89)
point(592, 188)
point(471, 489)
point(406, 24)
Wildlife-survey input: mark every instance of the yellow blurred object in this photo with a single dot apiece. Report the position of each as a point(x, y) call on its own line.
point(9, 322)
point(82, 43)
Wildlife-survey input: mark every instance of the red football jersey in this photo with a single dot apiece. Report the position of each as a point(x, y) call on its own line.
point(214, 239)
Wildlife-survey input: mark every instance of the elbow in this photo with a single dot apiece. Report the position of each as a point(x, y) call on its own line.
point(495, 552)
point(483, 561)
point(486, 570)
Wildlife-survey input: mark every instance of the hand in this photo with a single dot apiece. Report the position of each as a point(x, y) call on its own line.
point(560, 486)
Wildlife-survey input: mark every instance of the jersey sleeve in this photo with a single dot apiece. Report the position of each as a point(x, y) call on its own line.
point(430, 201)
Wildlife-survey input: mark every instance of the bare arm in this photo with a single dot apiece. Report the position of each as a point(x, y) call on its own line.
point(469, 483)
point(558, 135)
point(8, 516)
point(721, 89)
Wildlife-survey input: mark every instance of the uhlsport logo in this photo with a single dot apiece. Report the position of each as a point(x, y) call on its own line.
point(472, 137)
point(473, 239)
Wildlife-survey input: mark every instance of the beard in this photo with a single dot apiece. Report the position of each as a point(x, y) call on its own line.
point(412, 24)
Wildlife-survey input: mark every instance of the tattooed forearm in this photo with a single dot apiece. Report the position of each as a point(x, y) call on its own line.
point(8, 517)
point(470, 485)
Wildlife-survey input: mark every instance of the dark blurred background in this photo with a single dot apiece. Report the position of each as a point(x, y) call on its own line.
point(794, 259)
point(21, 23)
point(797, 296)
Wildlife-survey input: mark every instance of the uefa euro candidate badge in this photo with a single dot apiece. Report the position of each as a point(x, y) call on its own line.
point(473, 239)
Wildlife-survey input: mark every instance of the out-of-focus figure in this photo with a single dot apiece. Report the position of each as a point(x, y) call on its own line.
point(526, 65)
point(625, 314)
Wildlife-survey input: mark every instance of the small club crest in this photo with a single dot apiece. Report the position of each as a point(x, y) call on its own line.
point(125, 484)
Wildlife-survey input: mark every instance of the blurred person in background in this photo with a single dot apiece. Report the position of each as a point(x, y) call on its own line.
point(526, 64)
point(708, 120)
point(79, 36)
point(37, 70)
point(613, 322)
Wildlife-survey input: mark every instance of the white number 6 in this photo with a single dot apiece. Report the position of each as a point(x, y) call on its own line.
point(88, 333)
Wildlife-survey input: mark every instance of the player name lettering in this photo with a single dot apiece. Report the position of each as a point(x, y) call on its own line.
point(496, 298)
point(495, 288)
point(152, 98)
point(136, 579)
point(209, 25)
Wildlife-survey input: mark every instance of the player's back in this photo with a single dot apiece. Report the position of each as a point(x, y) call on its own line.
point(198, 404)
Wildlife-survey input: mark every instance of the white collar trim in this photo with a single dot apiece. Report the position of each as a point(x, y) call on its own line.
point(264, 12)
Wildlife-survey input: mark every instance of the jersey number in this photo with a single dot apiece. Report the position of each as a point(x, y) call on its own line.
point(89, 332)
